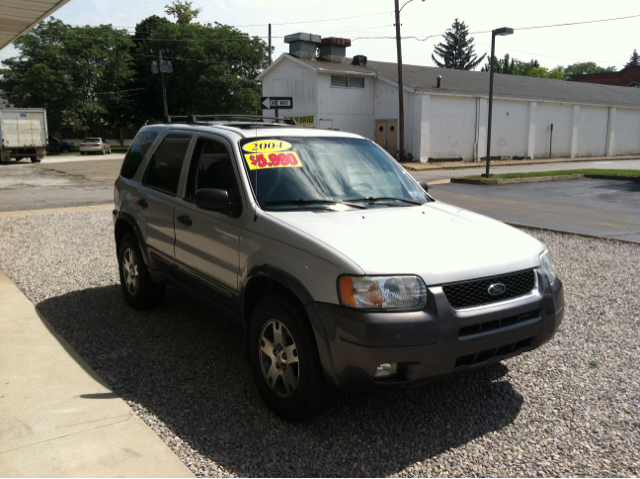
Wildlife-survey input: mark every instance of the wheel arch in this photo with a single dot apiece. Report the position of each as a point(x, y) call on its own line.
point(126, 224)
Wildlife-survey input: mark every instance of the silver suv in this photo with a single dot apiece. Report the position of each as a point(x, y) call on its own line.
point(341, 269)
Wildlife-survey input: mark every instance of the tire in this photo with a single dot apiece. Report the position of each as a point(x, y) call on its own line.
point(82, 153)
point(284, 359)
point(104, 152)
point(137, 286)
point(35, 160)
point(64, 150)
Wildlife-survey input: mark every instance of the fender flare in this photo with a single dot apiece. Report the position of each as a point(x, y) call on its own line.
point(130, 220)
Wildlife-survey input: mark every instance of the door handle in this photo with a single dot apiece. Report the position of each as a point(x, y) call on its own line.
point(185, 220)
point(142, 203)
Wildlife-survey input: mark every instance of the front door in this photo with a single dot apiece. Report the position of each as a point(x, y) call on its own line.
point(387, 135)
point(207, 242)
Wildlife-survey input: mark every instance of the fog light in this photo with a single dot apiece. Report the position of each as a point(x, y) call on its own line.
point(386, 370)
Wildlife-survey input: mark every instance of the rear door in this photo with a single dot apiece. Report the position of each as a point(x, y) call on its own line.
point(157, 199)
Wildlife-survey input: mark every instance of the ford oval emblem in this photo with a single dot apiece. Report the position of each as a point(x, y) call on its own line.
point(496, 289)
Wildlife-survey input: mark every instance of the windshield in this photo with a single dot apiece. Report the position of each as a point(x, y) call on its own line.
point(295, 172)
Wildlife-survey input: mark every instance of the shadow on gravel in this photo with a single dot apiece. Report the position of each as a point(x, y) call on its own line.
point(187, 367)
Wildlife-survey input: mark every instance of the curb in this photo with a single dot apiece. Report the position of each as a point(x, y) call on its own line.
point(50, 211)
point(539, 179)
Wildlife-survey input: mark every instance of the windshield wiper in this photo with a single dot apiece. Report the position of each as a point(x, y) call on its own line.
point(313, 202)
point(387, 198)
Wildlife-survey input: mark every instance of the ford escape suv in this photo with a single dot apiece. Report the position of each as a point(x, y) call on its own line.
point(341, 268)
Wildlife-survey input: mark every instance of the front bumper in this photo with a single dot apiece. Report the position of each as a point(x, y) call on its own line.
point(434, 342)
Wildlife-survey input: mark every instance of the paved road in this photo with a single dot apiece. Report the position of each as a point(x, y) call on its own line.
point(608, 208)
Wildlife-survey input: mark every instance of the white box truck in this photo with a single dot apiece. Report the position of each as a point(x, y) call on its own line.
point(24, 133)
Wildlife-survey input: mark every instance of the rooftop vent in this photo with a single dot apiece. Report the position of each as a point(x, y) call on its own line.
point(360, 60)
point(303, 45)
point(334, 49)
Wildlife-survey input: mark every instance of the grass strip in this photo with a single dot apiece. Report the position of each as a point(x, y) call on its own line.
point(590, 171)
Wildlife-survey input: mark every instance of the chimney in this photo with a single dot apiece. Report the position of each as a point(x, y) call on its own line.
point(360, 60)
point(303, 45)
point(334, 49)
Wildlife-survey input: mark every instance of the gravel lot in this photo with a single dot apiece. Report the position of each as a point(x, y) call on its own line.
point(571, 408)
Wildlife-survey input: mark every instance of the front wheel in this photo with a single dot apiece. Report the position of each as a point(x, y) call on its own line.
point(137, 286)
point(284, 359)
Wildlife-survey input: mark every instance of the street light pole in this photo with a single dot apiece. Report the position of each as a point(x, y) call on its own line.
point(400, 83)
point(498, 32)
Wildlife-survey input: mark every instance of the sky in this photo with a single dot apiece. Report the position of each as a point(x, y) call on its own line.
point(370, 25)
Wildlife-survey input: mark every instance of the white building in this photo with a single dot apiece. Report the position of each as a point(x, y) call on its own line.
point(447, 119)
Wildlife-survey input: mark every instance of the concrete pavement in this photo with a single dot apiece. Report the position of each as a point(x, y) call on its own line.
point(58, 418)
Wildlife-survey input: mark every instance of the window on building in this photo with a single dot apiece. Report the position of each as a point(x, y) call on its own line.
point(347, 82)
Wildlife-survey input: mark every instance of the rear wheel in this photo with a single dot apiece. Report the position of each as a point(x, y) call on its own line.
point(104, 151)
point(284, 359)
point(64, 149)
point(137, 286)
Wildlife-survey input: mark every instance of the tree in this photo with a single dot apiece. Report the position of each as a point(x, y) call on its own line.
point(584, 68)
point(457, 50)
point(77, 73)
point(214, 67)
point(634, 61)
point(182, 11)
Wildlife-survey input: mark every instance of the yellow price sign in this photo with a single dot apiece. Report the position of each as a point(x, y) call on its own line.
point(266, 146)
point(259, 161)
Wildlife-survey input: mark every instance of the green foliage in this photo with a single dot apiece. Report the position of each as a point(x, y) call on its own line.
point(457, 50)
point(214, 67)
point(182, 11)
point(511, 66)
point(584, 68)
point(77, 73)
point(634, 61)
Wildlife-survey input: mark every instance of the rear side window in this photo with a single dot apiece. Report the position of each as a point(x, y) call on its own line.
point(139, 146)
point(166, 164)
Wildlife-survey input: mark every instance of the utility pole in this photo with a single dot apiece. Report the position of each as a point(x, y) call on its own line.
point(164, 90)
point(400, 83)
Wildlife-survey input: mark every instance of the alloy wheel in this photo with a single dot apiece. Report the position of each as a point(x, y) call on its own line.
point(130, 271)
point(279, 358)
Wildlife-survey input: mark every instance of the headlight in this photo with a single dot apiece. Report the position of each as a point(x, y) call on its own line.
point(383, 293)
point(547, 265)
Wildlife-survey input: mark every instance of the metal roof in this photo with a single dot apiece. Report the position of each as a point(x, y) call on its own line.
point(19, 16)
point(472, 83)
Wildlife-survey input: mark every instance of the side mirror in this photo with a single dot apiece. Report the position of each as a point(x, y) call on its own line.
point(423, 184)
point(213, 199)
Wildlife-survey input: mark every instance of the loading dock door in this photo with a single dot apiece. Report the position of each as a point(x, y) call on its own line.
point(387, 135)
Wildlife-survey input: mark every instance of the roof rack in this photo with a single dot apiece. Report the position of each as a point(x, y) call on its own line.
point(207, 118)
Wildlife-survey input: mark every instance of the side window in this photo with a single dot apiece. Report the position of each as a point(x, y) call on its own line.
point(139, 146)
point(165, 166)
point(211, 167)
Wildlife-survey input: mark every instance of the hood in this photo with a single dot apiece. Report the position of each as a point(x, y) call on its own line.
point(439, 242)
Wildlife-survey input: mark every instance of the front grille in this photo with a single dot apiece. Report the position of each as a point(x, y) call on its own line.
point(475, 292)
point(482, 356)
point(497, 324)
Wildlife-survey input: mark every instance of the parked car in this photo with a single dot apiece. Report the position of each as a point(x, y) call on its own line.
point(59, 145)
point(341, 269)
point(95, 145)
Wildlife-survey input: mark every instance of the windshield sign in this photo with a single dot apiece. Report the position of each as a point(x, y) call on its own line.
point(317, 173)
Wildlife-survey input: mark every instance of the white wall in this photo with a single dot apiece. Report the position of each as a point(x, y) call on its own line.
point(294, 80)
point(592, 131)
point(349, 109)
point(627, 132)
point(510, 129)
point(453, 125)
point(560, 115)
